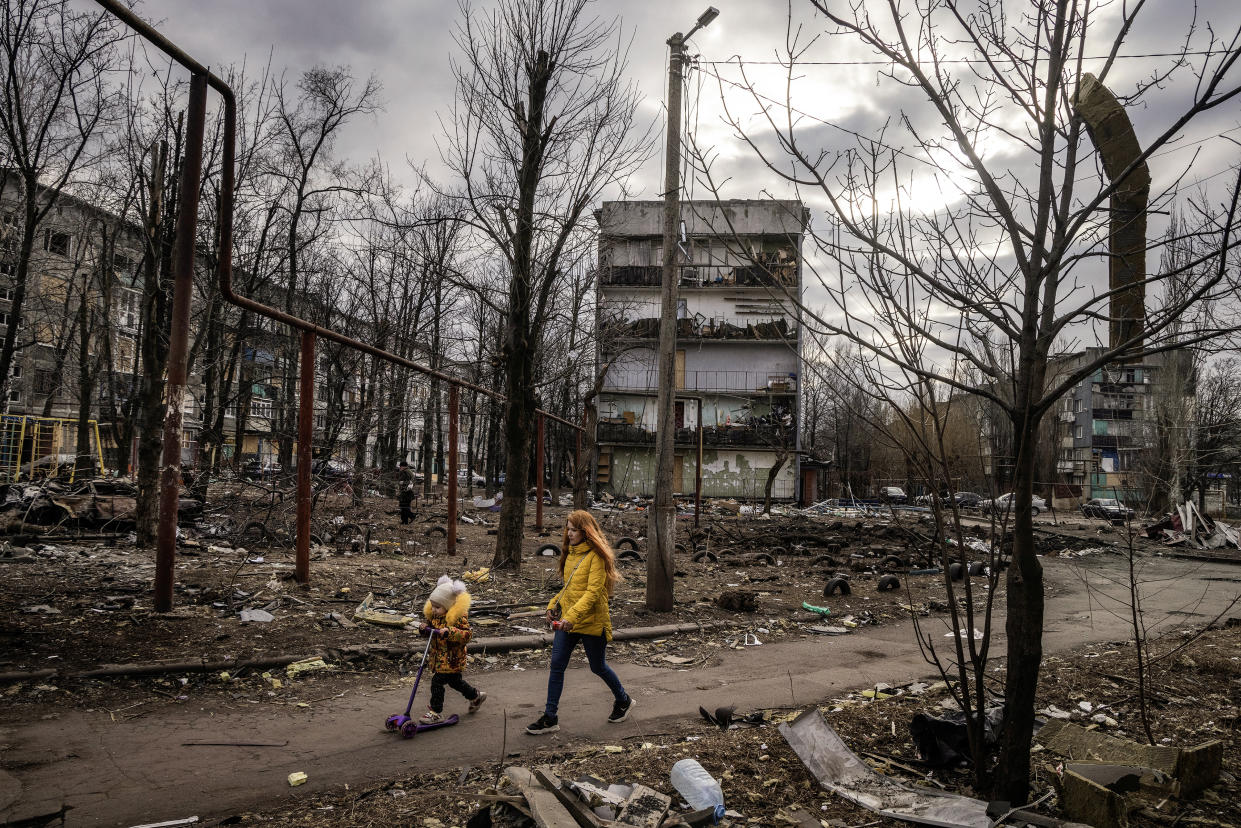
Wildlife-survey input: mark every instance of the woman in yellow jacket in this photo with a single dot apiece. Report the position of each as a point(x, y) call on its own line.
point(588, 569)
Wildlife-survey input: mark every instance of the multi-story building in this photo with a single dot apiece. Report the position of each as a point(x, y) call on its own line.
point(1104, 424)
point(67, 284)
point(737, 352)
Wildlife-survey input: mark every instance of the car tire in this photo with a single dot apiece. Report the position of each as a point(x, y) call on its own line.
point(888, 583)
point(956, 571)
point(1034, 510)
point(835, 585)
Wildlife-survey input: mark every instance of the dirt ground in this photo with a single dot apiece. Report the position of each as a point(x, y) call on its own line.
point(73, 605)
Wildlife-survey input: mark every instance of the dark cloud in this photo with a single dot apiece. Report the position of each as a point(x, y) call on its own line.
point(408, 46)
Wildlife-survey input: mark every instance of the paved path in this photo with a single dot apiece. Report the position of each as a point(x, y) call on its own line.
point(132, 771)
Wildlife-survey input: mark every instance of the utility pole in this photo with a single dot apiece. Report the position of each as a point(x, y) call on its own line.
point(661, 522)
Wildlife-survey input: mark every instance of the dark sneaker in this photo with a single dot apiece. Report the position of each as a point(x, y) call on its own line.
point(620, 710)
point(545, 724)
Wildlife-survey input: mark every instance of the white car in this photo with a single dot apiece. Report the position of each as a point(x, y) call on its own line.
point(1004, 503)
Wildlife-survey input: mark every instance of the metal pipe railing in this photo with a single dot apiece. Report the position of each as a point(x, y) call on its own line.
point(187, 220)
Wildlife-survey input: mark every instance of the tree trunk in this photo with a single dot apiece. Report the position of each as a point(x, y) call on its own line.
point(155, 312)
point(519, 435)
point(781, 458)
point(1024, 625)
point(86, 384)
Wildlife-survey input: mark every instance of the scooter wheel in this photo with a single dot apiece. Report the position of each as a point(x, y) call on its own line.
point(394, 722)
point(409, 729)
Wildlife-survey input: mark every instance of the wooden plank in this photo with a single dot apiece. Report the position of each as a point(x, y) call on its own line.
point(585, 817)
point(645, 807)
point(545, 808)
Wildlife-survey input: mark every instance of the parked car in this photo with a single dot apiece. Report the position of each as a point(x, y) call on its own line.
point(967, 500)
point(929, 499)
point(1004, 503)
point(892, 494)
point(963, 500)
point(331, 469)
point(1107, 508)
point(464, 476)
point(257, 469)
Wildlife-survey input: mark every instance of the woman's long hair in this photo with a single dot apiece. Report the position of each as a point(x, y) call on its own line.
point(590, 527)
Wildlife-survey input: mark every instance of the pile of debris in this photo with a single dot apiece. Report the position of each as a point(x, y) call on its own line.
point(102, 503)
point(1187, 526)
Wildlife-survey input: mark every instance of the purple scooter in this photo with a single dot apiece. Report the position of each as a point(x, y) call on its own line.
point(410, 727)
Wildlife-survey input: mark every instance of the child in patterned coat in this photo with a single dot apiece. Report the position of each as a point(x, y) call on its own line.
point(448, 622)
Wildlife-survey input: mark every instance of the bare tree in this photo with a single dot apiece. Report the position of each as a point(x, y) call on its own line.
point(994, 272)
point(543, 123)
point(54, 98)
point(310, 125)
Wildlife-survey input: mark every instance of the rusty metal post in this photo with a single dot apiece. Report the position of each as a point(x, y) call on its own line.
point(305, 453)
point(538, 483)
point(454, 408)
point(178, 344)
point(698, 470)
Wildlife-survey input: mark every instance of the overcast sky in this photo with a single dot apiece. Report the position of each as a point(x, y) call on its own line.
point(407, 45)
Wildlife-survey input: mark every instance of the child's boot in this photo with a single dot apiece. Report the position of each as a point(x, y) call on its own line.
point(477, 701)
point(431, 717)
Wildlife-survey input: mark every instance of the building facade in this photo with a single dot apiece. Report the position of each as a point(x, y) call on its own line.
point(1105, 427)
point(738, 350)
point(86, 268)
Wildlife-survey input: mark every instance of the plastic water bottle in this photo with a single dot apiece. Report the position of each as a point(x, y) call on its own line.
point(698, 787)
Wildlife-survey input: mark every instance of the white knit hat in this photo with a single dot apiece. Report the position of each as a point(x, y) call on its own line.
point(446, 592)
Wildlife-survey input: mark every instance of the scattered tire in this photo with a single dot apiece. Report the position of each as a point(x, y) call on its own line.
point(978, 568)
point(629, 555)
point(893, 562)
point(777, 552)
point(548, 550)
point(316, 539)
point(707, 556)
point(1034, 510)
point(835, 585)
point(823, 560)
point(627, 543)
point(434, 531)
point(764, 559)
point(679, 548)
point(888, 583)
point(956, 571)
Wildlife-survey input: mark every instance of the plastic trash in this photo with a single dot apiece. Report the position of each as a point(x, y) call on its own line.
point(698, 787)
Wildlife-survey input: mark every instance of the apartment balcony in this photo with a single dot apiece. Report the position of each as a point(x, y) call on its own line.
point(775, 274)
point(739, 435)
point(739, 382)
point(706, 330)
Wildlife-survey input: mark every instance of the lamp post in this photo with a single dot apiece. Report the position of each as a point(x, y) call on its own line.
point(661, 527)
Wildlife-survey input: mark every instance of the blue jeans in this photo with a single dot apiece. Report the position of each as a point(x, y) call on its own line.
point(562, 648)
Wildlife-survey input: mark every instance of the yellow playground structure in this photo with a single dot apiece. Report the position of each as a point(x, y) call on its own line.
point(32, 448)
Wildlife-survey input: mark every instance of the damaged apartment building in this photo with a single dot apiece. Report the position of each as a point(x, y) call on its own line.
point(738, 346)
point(86, 265)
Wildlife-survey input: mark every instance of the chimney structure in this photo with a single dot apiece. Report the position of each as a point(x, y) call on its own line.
point(1112, 132)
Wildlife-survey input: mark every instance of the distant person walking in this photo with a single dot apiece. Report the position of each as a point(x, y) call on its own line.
point(580, 613)
point(405, 491)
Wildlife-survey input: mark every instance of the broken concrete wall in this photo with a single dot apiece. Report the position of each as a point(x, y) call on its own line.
point(739, 473)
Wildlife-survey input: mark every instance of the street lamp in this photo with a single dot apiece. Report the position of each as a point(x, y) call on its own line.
point(662, 519)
